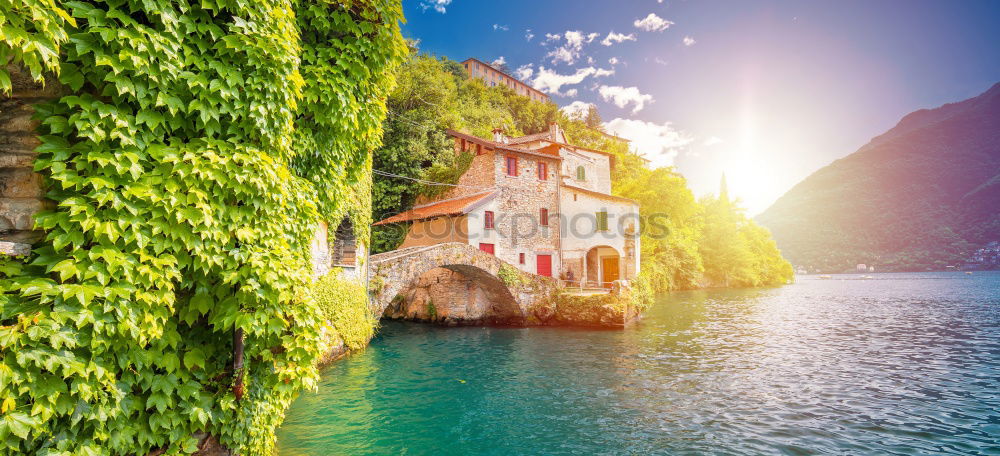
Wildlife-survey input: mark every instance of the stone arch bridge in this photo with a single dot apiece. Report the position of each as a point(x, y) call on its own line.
point(456, 283)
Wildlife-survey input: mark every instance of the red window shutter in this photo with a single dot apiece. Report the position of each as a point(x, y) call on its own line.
point(543, 172)
point(488, 220)
point(511, 166)
point(543, 265)
point(543, 217)
point(520, 258)
point(488, 248)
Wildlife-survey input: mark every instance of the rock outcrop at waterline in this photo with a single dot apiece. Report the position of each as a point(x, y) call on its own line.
point(446, 297)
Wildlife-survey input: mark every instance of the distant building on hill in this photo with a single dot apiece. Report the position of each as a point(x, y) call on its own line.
point(494, 77)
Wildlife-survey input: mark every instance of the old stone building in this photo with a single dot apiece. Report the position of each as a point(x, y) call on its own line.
point(536, 202)
point(492, 77)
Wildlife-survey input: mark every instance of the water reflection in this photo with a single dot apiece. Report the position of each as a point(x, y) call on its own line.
point(907, 364)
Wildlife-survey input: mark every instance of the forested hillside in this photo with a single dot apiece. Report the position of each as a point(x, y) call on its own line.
point(922, 196)
point(705, 243)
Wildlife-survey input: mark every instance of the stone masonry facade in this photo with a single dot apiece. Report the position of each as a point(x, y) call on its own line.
point(21, 192)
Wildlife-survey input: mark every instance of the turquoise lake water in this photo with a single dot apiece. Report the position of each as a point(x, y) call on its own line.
point(901, 364)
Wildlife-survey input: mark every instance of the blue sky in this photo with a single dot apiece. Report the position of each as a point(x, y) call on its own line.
point(766, 92)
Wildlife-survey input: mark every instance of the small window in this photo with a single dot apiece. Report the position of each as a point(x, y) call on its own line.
point(488, 248)
point(581, 174)
point(488, 220)
point(602, 221)
point(543, 171)
point(511, 166)
point(574, 197)
point(543, 217)
point(520, 258)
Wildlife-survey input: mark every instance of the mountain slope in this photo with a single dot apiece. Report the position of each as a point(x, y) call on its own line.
point(921, 196)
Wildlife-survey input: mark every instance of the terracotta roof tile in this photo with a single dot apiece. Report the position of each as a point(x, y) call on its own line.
point(529, 138)
point(441, 208)
point(500, 146)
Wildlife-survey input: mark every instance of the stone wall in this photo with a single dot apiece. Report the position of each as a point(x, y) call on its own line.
point(518, 212)
point(320, 250)
point(21, 191)
point(451, 297)
point(401, 270)
point(465, 287)
point(476, 179)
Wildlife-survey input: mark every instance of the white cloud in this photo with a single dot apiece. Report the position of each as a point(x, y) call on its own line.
point(574, 38)
point(552, 37)
point(688, 41)
point(591, 36)
point(528, 35)
point(524, 72)
point(613, 38)
point(571, 92)
point(499, 61)
point(652, 23)
point(660, 61)
point(613, 60)
point(571, 51)
point(659, 143)
point(590, 60)
point(577, 109)
point(562, 54)
point(438, 5)
point(711, 141)
point(624, 96)
point(549, 81)
point(502, 28)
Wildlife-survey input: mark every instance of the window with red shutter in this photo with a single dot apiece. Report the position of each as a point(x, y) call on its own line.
point(512, 166)
point(543, 216)
point(488, 220)
point(543, 172)
point(520, 258)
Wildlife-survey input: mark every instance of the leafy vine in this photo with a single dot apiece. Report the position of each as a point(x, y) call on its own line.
point(201, 144)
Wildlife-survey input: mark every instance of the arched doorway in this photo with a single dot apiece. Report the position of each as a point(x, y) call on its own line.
point(602, 266)
point(345, 245)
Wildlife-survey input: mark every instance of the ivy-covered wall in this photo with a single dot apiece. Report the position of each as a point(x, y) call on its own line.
point(200, 145)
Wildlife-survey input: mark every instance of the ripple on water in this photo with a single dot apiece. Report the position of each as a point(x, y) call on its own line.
point(905, 364)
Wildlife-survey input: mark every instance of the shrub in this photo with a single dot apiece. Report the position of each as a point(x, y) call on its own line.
point(509, 275)
point(344, 304)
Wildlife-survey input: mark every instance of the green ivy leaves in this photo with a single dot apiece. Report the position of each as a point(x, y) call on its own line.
point(199, 146)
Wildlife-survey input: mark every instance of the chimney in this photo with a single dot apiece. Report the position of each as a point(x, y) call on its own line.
point(498, 136)
point(554, 131)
